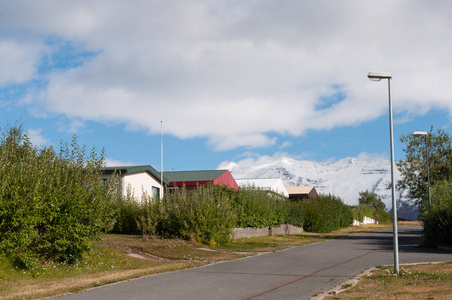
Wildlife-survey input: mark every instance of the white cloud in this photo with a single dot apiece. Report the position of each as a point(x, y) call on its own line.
point(285, 144)
point(116, 163)
point(366, 156)
point(17, 61)
point(236, 73)
point(36, 137)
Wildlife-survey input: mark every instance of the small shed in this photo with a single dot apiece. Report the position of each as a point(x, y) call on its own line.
point(301, 192)
point(191, 179)
point(274, 185)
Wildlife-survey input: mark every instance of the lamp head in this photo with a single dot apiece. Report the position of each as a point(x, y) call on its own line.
point(419, 133)
point(377, 76)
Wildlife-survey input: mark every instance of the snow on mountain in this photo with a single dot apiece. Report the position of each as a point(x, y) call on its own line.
point(344, 178)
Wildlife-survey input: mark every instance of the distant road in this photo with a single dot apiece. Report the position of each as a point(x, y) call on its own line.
point(295, 273)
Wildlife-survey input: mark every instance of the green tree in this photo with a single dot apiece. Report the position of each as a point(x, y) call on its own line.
point(371, 199)
point(52, 205)
point(414, 168)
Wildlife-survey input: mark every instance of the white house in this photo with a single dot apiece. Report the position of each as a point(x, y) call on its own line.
point(271, 185)
point(137, 179)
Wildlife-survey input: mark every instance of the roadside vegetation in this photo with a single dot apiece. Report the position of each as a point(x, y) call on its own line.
point(63, 229)
point(437, 215)
point(422, 281)
point(371, 205)
point(54, 206)
point(120, 257)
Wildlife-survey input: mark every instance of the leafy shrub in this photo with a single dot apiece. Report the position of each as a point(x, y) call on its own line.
point(326, 213)
point(255, 208)
point(204, 215)
point(438, 223)
point(442, 194)
point(438, 227)
point(127, 212)
point(295, 214)
point(150, 216)
point(361, 211)
point(52, 205)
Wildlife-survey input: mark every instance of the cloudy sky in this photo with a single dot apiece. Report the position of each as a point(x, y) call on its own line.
point(231, 80)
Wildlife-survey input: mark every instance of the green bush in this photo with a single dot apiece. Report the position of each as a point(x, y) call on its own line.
point(255, 208)
point(204, 215)
point(295, 214)
point(438, 227)
point(326, 213)
point(150, 216)
point(442, 194)
point(127, 212)
point(361, 211)
point(438, 223)
point(52, 205)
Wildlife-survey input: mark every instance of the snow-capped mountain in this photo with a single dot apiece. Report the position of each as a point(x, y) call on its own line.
point(344, 178)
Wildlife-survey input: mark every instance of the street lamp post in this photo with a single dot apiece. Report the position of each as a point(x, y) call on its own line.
point(376, 76)
point(423, 133)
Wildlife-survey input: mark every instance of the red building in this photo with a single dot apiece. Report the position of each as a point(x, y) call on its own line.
point(191, 179)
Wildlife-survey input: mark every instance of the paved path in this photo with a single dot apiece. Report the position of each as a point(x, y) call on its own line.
point(295, 273)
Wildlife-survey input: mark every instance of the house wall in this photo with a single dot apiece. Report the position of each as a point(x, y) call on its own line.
point(227, 179)
point(138, 182)
point(313, 193)
point(279, 188)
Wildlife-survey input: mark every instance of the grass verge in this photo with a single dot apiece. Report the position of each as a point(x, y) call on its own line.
point(421, 281)
point(122, 257)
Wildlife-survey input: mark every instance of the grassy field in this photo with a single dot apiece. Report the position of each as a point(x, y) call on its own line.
point(122, 257)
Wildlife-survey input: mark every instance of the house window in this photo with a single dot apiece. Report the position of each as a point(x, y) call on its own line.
point(155, 192)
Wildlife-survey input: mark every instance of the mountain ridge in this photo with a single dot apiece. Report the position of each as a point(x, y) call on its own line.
point(344, 178)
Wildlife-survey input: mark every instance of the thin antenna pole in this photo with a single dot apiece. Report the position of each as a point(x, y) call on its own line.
point(161, 159)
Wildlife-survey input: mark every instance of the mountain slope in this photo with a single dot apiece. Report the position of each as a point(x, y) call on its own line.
point(344, 178)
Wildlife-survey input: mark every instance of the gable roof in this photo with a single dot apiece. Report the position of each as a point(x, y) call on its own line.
point(133, 170)
point(299, 189)
point(181, 176)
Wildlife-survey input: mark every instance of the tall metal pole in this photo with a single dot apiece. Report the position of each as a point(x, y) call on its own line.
point(394, 203)
point(377, 76)
point(161, 160)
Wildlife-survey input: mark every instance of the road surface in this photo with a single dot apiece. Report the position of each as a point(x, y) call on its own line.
point(295, 273)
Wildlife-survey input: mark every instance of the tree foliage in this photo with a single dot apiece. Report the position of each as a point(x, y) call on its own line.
point(371, 205)
point(204, 215)
point(372, 200)
point(438, 223)
point(326, 213)
point(414, 168)
point(52, 205)
point(254, 207)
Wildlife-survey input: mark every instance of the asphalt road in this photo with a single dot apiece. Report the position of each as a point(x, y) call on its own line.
point(295, 273)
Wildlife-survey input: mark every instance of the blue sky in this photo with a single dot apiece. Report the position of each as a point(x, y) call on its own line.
point(230, 80)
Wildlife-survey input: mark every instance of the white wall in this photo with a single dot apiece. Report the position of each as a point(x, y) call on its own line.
point(275, 185)
point(137, 182)
point(278, 186)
